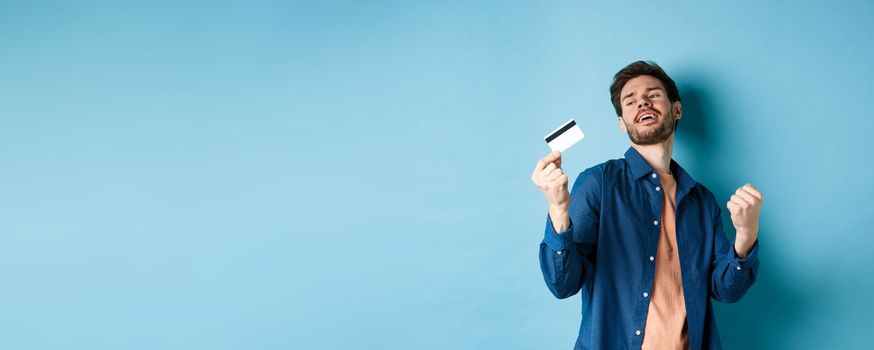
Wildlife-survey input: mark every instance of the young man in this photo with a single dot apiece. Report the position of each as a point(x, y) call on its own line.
point(640, 237)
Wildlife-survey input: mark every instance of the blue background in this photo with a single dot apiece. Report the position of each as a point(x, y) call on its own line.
point(270, 175)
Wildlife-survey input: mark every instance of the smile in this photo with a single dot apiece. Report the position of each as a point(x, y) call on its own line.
point(645, 117)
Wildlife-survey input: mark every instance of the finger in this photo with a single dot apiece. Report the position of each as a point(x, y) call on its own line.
point(559, 181)
point(548, 169)
point(554, 175)
point(555, 172)
point(746, 196)
point(552, 157)
point(739, 201)
point(538, 168)
point(732, 207)
point(543, 175)
point(752, 190)
point(543, 162)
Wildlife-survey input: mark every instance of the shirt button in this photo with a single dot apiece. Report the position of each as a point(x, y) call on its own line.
point(653, 175)
point(652, 258)
point(738, 267)
point(658, 188)
point(655, 222)
point(558, 252)
point(637, 332)
point(645, 294)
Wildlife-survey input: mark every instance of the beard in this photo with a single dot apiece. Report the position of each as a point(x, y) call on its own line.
point(651, 136)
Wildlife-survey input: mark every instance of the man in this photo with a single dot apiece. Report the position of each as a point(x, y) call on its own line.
point(640, 237)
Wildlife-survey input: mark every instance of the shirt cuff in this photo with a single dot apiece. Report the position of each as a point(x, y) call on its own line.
point(750, 261)
point(558, 241)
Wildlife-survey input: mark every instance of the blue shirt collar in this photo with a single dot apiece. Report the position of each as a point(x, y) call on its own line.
point(640, 168)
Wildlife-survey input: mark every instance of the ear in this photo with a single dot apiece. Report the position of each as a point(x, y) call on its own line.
point(622, 125)
point(678, 110)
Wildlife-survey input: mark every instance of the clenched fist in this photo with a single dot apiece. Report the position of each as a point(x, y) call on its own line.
point(744, 207)
point(552, 182)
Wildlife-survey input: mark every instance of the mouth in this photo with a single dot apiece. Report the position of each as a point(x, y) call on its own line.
point(646, 117)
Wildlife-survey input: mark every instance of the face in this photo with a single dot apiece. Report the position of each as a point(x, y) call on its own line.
point(648, 117)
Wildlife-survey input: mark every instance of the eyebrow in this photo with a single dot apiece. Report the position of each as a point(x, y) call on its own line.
point(647, 90)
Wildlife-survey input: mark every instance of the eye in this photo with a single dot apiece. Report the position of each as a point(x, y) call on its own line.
point(629, 103)
point(653, 95)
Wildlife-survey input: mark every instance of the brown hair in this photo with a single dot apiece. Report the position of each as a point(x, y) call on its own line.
point(635, 70)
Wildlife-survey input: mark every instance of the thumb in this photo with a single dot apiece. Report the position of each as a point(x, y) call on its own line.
point(557, 158)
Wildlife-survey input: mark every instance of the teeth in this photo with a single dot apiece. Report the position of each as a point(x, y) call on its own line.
point(645, 116)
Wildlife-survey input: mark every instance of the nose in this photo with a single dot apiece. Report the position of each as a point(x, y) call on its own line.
point(644, 103)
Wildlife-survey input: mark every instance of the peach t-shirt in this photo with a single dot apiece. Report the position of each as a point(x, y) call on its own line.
point(666, 326)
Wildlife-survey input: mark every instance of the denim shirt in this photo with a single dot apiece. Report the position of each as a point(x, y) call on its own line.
point(608, 253)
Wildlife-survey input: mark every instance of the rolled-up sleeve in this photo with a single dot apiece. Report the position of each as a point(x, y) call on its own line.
point(564, 256)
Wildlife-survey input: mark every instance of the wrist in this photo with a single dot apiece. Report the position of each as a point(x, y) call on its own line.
point(560, 218)
point(558, 207)
point(743, 242)
point(746, 235)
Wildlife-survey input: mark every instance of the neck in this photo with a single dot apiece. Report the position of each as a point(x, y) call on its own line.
point(658, 156)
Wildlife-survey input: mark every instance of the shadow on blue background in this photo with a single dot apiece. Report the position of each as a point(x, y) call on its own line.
point(775, 304)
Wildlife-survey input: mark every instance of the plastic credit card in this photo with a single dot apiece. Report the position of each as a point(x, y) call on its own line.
point(564, 136)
